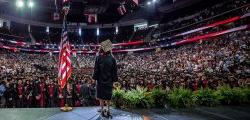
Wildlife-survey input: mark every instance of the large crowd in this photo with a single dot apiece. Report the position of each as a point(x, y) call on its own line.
point(29, 80)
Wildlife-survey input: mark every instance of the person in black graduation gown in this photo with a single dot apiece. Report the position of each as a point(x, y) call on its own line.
point(85, 93)
point(105, 74)
point(10, 95)
point(28, 94)
point(69, 94)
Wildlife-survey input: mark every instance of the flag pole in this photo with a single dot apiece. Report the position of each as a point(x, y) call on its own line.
point(66, 107)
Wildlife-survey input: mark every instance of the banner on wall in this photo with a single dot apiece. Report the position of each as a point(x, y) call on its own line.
point(182, 42)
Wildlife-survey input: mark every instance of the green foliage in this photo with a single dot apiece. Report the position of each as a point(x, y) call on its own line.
point(243, 95)
point(232, 96)
point(181, 97)
point(131, 99)
point(138, 97)
point(206, 97)
point(246, 93)
point(117, 97)
point(159, 96)
point(224, 95)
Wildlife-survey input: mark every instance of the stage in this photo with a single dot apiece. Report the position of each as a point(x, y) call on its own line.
point(90, 113)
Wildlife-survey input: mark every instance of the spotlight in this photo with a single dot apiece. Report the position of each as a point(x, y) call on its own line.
point(31, 4)
point(149, 3)
point(19, 3)
point(116, 30)
point(47, 29)
point(97, 32)
point(80, 32)
point(154, 1)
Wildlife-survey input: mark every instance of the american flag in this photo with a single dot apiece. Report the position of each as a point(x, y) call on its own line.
point(64, 58)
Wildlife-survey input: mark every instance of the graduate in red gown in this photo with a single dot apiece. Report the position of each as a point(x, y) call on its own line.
point(61, 97)
point(204, 82)
point(51, 91)
point(20, 94)
point(150, 85)
point(40, 97)
point(195, 85)
point(77, 96)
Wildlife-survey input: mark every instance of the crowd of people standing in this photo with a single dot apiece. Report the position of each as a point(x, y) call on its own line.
point(29, 80)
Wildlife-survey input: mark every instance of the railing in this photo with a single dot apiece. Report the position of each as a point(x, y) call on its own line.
point(205, 20)
point(182, 42)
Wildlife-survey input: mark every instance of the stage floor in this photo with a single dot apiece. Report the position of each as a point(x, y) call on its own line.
point(90, 113)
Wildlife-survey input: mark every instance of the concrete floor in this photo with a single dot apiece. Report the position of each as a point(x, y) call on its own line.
point(90, 113)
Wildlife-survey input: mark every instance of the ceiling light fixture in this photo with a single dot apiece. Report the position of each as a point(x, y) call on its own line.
point(30, 4)
point(19, 3)
point(149, 3)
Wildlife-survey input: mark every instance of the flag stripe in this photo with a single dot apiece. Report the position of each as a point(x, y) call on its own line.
point(64, 66)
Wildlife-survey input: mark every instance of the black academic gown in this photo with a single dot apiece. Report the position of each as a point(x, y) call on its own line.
point(10, 96)
point(105, 73)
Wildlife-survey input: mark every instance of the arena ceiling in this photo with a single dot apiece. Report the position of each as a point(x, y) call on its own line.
point(43, 9)
point(106, 10)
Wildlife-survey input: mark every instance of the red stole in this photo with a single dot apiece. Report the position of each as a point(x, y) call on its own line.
point(61, 100)
point(195, 86)
point(205, 83)
point(78, 88)
point(20, 89)
point(42, 95)
point(150, 86)
point(51, 90)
